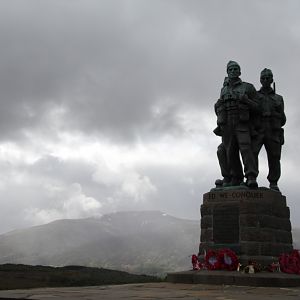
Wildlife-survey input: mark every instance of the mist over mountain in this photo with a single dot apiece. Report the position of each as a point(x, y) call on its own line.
point(149, 242)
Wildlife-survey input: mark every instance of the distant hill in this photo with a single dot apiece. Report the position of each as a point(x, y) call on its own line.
point(23, 276)
point(147, 242)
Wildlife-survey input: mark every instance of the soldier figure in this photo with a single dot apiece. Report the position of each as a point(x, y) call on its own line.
point(226, 171)
point(234, 115)
point(222, 158)
point(270, 133)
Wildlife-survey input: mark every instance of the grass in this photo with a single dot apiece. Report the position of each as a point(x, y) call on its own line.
point(15, 276)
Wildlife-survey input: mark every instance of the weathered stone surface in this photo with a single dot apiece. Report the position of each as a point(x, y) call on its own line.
point(236, 278)
point(206, 210)
point(274, 222)
point(226, 223)
point(206, 221)
point(256, 222)
point(247, 207)
point(163, 290)
point(265, 248)
point(251, 248)
point(206, 235)
point(249, 220)
point(282, 236)
point(257, 234)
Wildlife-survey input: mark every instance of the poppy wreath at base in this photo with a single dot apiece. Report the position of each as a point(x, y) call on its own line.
point(212, 260)
point(290, 263)
point(228, 260)
point(223, 259)
point(195, 262)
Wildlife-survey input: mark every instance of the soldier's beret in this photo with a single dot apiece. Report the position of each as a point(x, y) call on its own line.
point(266, 71)
point(232, 63)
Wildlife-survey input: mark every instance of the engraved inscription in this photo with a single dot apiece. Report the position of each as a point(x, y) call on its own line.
point(235, 195)
point(226, 224)
point(246, 195)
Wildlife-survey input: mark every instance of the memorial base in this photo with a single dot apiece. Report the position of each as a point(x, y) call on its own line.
point(235, 278)
point(254, 223)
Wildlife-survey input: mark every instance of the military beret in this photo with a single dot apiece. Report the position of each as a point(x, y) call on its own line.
point(266, 71)
point(232, 63)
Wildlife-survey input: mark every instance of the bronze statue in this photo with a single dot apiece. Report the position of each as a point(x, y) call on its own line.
point(227, 180)
point(270, 131)
point(236, 111)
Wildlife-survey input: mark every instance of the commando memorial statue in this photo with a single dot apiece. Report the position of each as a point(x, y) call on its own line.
point(247, 120)
point(235, 111)
point(270, 131)
point(246, 227)
point(237, 214)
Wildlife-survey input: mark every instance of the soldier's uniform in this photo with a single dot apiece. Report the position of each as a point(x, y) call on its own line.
point(222, 158)
point(270, 132)
point(235, 111)
point(228, 179)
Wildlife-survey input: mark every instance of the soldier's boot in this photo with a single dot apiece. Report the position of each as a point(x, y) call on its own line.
point(274, 186)
point(222, 182)
point(219, 183)
point(237, 181)
point(251, 182)
point(226, 182)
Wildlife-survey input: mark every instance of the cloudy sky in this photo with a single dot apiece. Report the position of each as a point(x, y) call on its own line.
point(108, 105)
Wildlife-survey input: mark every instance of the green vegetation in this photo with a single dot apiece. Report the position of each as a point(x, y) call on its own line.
point(25, 276)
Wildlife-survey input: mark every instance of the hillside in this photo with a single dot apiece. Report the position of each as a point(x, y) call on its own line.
point(24, 276)
point(148, 242)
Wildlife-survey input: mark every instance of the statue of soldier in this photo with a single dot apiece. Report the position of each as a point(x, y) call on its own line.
point(222, 158)
point(225, 169)
point(270, 132)
point(235, 110)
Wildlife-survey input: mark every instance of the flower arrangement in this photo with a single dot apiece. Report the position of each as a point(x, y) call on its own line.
point(228, 260)
point(222, 259)
point(212, 260)
point(195, 262)
point(290, 263)
point(252, 267)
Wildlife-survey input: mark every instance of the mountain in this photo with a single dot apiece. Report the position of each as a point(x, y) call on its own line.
point(148, 242)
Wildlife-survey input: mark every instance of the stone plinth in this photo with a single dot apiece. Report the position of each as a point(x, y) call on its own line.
point(255, 223)
point(235, 278)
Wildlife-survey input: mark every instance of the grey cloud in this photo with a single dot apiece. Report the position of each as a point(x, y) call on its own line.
point(109, 62)
point(124, 71)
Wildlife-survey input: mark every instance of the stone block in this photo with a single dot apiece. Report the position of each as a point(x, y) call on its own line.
point(256, 208)
point(206, 221)
point(254, 234)
point(283, 212)
point(283, 237)
point(257, 222)
point(226, 223)
point(249, 220)
point(263, 279)
point(265, 221)
point(250, 248)
point(206, 210)
point(206, 235)
point(275, 249)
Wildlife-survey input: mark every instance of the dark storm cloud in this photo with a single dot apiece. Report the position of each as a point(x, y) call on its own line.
point(109, 62)
point(131, 72)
